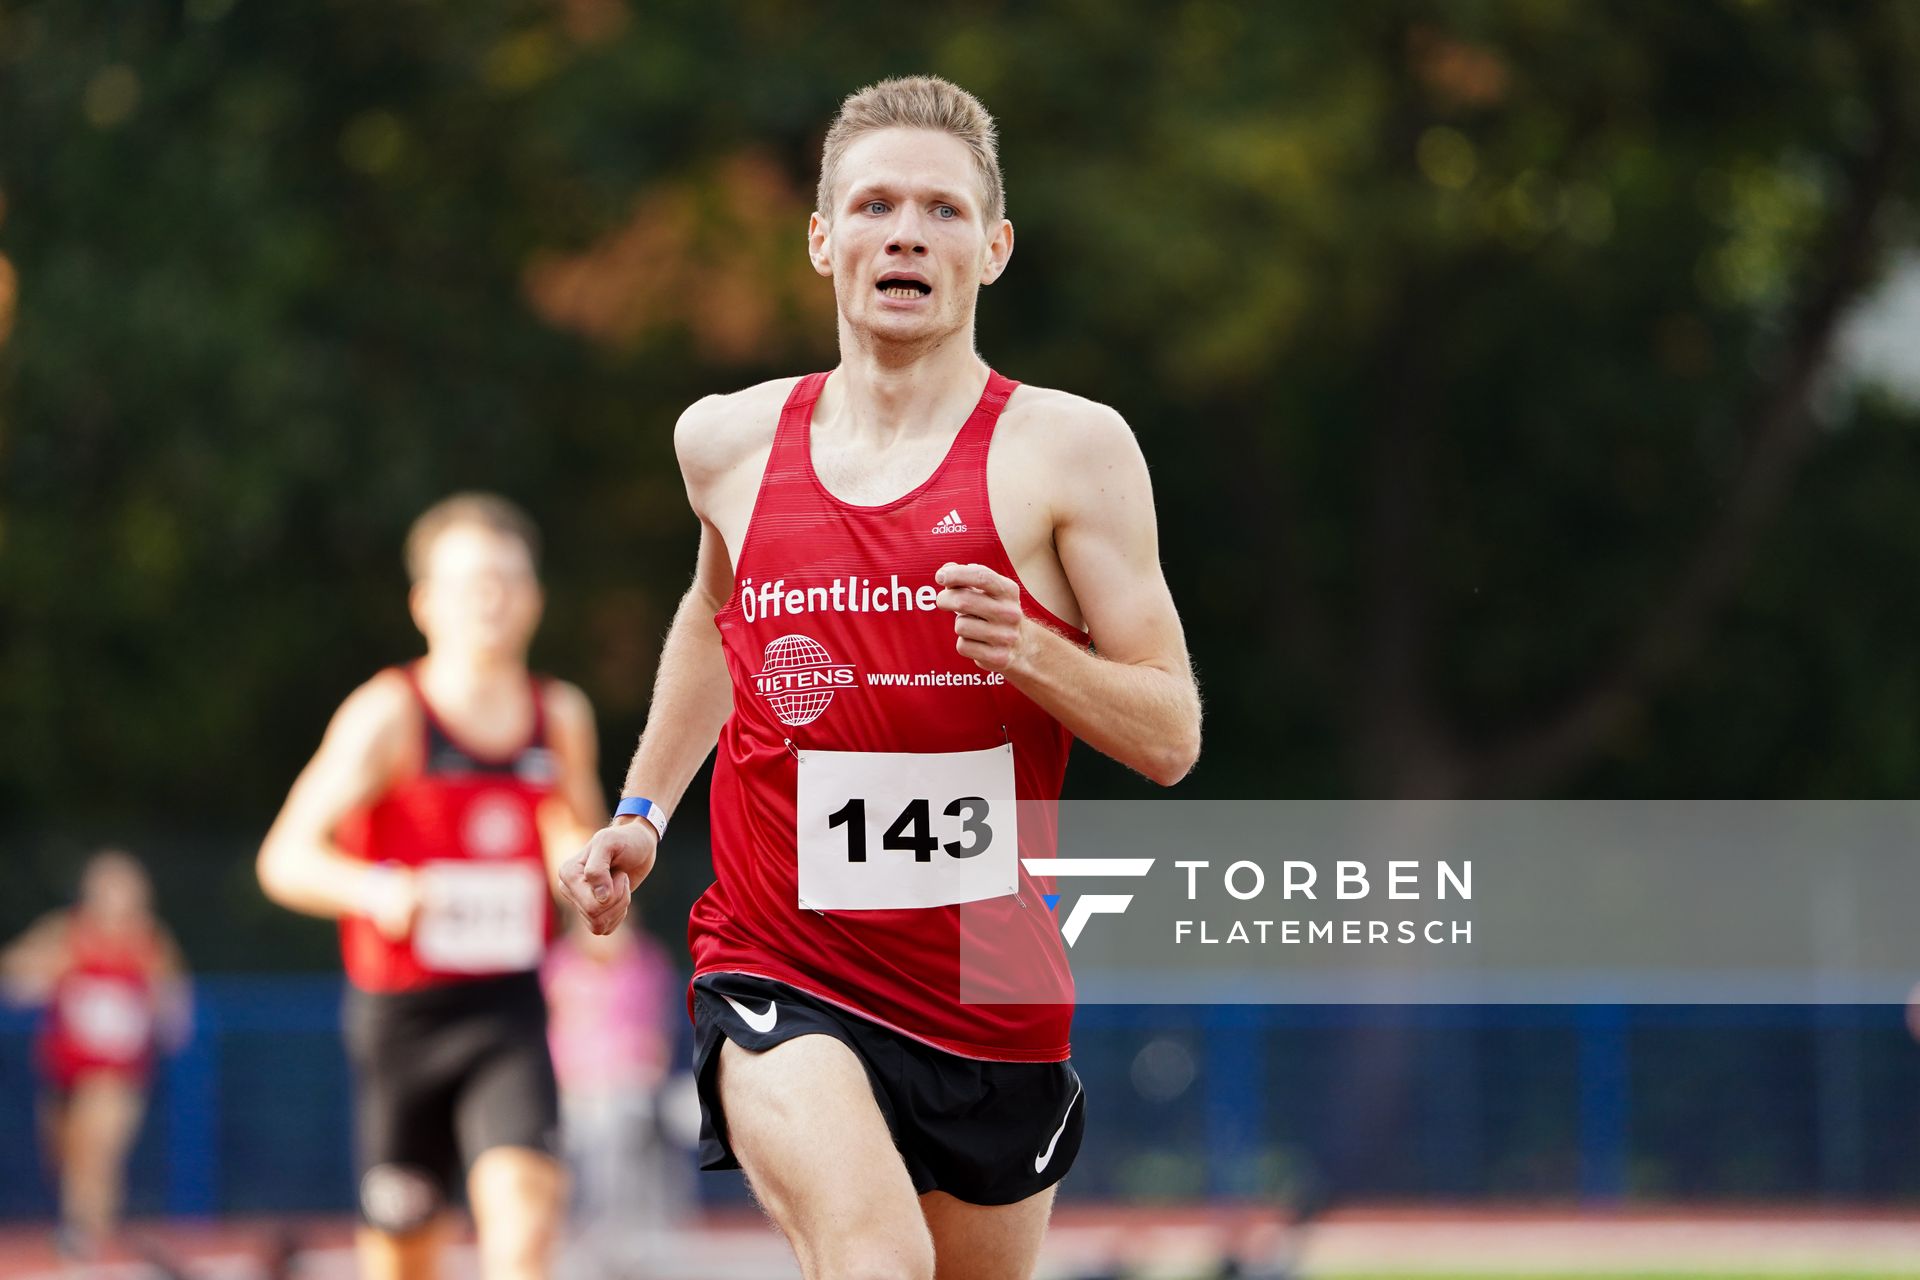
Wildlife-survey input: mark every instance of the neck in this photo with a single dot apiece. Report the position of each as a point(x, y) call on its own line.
point(111, 920)
point(456, 672)
point(886, 390)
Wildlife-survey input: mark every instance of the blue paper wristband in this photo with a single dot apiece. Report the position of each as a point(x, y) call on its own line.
point(641, 807)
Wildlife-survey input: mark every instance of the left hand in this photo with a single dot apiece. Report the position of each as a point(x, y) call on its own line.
point(987, 619)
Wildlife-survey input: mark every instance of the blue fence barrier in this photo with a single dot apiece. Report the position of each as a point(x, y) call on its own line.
point(1307, 1104)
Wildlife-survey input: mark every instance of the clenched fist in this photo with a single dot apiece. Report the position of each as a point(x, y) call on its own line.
point(599, 880)
point(988, 624)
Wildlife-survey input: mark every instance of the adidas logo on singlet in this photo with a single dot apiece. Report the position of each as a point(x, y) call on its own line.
point(951, 523)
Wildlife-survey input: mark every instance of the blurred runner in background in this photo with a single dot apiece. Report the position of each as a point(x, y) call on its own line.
point(426, 824)
point(116, 992)
point(614, 1009)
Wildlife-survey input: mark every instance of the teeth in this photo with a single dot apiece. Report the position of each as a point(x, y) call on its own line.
point(900, 291)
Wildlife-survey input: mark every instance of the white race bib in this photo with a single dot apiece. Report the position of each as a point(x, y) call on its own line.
point(105, 1018)
point(478, 917)
point(881, 830)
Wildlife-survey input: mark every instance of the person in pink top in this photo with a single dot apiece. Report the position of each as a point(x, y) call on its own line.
point(612, 1007)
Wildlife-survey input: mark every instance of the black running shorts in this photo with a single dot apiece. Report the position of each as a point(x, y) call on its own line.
point(984, 1132)
point(441, 1075)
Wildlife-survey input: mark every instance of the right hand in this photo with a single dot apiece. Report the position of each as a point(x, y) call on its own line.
point(600, 879)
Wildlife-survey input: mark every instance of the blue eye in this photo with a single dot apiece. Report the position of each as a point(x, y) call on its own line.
point(947, 211)
point(876, 206)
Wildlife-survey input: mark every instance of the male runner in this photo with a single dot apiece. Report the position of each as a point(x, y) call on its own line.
point(907, 559)
point(115, 988)
point(426, 823)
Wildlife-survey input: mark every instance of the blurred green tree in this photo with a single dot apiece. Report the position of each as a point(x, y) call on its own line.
point(1484, 355)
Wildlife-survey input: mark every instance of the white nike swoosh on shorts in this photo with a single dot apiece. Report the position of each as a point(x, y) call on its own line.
point(1040, 1161)
point(761, 1022)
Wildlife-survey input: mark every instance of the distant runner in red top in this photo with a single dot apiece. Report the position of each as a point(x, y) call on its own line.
point(906, 565)
point(115, 990)
point(426, 824)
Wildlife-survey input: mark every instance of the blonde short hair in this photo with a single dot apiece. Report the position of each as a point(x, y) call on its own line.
point(915, 102)
point(487, 511)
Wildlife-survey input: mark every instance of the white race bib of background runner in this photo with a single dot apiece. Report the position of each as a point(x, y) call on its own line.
point(881, 830)
point(480, 918)
point(105, 1018)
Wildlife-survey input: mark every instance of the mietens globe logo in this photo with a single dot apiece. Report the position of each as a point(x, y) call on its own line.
point(798, 677)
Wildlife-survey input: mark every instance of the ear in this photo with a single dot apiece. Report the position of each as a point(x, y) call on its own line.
point(999, 251)
point(819, 244)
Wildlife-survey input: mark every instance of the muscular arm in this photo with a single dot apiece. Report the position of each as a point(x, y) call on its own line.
point(692, 694)
point(300, 867)
point(1135, 698)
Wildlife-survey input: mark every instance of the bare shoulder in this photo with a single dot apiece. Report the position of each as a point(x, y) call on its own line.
point(37, 955)
point(718, 432)
point(377, 716)
point(1082, 453)
point(568, 707)
point(173, 961)
point(50, 930)
point(1066, 427)
point(384, 696)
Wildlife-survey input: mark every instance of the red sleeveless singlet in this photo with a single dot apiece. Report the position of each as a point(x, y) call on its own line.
point(837, 779)
point(101, 1015)
point(468, 826)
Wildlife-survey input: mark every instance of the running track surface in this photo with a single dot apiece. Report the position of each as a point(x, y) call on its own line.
point(1378, 1240)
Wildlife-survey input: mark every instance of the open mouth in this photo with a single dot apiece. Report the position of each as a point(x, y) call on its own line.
point(895, 287)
